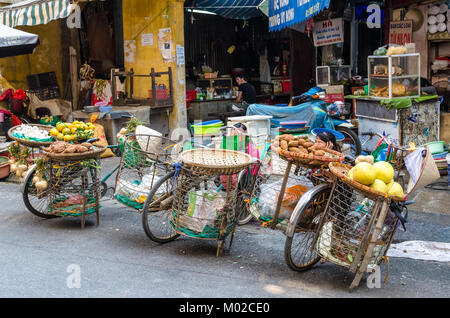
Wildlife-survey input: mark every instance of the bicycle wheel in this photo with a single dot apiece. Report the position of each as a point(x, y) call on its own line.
point(156, 214)
point(36, 203)
point(298, 252)
point(352, 139)
point(245, 197)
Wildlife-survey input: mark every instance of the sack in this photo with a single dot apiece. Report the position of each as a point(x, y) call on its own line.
point(290, 199)
point(99, 133)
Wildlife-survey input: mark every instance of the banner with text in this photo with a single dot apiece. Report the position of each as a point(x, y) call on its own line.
point(400, 32)
point(328, 32)
point(284, 13)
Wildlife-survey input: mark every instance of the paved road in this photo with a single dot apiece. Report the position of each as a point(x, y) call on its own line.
point(118, 260)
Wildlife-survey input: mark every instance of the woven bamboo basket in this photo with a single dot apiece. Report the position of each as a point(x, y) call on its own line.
point(92, 154)
point(341, 171)
point(215, 161)
point(30, 143)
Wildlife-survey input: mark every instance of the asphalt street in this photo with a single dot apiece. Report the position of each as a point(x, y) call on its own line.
point(117, 259)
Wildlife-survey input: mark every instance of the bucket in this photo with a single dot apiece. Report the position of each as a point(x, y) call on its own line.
point(436, 147)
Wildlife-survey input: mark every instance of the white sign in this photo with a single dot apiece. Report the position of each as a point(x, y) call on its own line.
point(180, 55)
point(147, 39)
point(328, 32)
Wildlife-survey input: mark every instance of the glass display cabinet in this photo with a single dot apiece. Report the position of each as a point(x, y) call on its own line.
point(395, 76)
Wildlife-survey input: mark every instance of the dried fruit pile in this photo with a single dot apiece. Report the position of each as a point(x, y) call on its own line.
point(300, 145)
point(64, 147)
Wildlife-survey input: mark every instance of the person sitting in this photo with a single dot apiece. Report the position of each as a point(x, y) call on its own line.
point(328, 140)
point(246, 95)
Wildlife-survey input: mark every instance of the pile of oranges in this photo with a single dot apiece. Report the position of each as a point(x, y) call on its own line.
point(72, 131)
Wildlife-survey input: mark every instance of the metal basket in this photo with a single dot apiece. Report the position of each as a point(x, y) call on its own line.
point(145, 159)
point(350, 223)
point(73, 188)
point(204, 205)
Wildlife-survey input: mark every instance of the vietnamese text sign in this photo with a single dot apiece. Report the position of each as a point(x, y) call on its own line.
point(284, 13)
point(400, 32)
point(328, 32)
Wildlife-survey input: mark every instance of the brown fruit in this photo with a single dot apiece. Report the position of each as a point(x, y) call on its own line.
point(284, 145)
point(293, 143)
point(294, 149)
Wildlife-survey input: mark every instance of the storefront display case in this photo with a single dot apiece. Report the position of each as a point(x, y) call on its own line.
point(333, 74)
point(395, 76)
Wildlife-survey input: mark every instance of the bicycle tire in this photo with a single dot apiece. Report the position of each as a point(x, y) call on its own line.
point(164, 216)
point(28, 194)
point(305, 234)
point(349, 132)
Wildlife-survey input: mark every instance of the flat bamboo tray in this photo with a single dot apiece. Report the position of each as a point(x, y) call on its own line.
point(341, 171)
point(92, 154)
point(216, 161)
point(311, 161)
point(31, 143)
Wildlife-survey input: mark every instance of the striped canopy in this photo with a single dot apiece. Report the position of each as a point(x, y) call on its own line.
point(233, 9)
point(35, 12)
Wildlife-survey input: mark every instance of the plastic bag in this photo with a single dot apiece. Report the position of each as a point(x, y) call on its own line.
point(270, 192)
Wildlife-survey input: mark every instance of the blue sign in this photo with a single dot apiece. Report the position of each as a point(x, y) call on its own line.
point(284, 13)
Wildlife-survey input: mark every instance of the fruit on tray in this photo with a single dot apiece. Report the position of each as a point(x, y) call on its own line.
point(368, 159)
point(72, 131)
point(384, 171)
point(364, 173)
point(300, 145)
point(379, 177)
point(65, 147)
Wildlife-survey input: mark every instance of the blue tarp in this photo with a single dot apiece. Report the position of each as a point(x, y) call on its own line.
point(311, 112)
point(284, 13)
point(233, 9)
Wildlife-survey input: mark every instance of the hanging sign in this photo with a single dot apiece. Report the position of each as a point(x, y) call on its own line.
point(400, 32)
point(328, 32)
point(284, 13)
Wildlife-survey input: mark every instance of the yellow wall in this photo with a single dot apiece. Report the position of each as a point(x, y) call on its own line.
point(46, 58)
point(149, 16)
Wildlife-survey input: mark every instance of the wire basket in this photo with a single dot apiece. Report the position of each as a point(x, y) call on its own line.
point(73, 188)
point(145, 159)
point(349, 224)
point(204, 205)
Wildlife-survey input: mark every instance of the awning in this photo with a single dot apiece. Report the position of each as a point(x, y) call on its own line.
point(233, 9)
point(15, 42)
point(284, 13)
point(35, 12)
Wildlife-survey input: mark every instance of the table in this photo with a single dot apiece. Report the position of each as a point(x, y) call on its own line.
point(113, 122)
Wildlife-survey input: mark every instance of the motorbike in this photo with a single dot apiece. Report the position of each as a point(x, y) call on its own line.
point(317, 113)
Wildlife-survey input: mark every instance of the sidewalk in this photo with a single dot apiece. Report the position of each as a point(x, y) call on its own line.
point(432, 201)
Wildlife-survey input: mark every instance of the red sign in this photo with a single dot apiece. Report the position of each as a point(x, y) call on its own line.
point(400, 32)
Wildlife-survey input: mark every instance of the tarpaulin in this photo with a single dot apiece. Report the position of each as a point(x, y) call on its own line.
point(15, 42)
point(311, 112)
point(35, 12)
point(284, 13)
point(233, 9)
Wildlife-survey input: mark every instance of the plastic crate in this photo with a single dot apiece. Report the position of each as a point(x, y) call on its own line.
point(160, 94)
point(210, 128)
